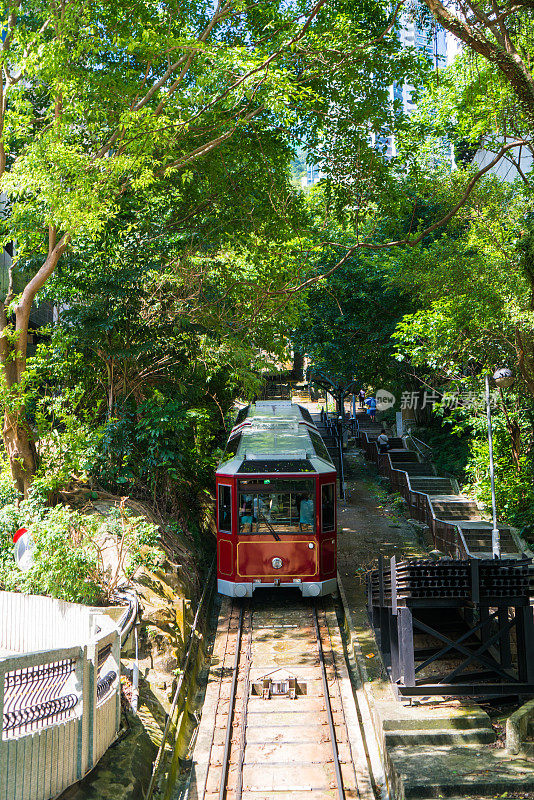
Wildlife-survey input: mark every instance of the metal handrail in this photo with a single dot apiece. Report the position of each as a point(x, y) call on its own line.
point(129, 615)
point(338, 437)
point(341, 468)
point(420, 441)
point(415, 442)
point(453, 479)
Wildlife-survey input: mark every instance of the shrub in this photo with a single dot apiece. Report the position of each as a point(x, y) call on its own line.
point(70, 559)
point(132, 541)
point(68, 442)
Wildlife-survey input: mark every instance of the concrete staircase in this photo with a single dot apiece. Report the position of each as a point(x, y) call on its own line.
point(433, 771)
point(432, 485)
point(415, 468)
point(478, 539)
point(330, 443)
point(455, 507)
point(447, 506)
point(404, 457)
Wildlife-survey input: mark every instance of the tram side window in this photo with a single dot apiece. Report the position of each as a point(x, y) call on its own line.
point(225, 508)
point(328, 497)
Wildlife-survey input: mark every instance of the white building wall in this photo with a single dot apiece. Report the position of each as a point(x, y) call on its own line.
point(505, 169)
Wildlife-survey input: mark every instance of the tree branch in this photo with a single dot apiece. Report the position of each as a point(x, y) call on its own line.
point(419, 238)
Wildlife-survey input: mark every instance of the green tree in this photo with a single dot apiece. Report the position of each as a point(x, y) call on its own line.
point(348, 320)
point(502, 33)
point(100, 100)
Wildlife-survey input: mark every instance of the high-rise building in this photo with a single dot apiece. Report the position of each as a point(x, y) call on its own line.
point(433, 43)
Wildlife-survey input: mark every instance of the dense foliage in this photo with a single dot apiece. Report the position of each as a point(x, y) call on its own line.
point(454, 250)
point(349, 317)
point(150, 156)
point(114, 110)
point(77, 557)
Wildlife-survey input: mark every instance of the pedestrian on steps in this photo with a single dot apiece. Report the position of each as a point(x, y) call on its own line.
point(361, 398)
point(383, 442)
point(371, 407)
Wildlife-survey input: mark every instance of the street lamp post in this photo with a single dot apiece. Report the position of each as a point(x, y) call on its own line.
point(503, 377)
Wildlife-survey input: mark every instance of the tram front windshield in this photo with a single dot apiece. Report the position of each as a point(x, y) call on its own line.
point(276, 506)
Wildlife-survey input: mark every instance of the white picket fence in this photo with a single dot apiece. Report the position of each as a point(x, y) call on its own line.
point(59, 693)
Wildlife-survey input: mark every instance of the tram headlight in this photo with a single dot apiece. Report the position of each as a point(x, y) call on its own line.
point(277, 563)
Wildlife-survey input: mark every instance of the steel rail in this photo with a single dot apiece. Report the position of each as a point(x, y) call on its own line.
point(328, 707)
point(244, 712)
point(192, 638)
point(231, 706)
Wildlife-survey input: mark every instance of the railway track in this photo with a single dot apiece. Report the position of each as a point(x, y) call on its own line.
point(285, 722)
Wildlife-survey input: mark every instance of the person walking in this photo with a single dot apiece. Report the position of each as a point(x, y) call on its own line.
point(361, 398)
point(383, 442)
point(371, 407)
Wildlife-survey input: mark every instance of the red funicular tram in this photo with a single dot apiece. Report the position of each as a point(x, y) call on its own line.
point(276, 504)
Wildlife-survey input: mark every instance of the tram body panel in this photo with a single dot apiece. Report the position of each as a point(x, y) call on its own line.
point(276, 506)
point(296, 558)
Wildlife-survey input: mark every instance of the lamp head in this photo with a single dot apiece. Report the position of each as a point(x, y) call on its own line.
point(503, 377)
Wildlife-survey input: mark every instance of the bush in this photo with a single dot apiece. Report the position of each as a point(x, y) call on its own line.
point(514, 488)
point(158, 449)
point(130, 542)
point(70, 556)
point(64, 563)
point(450, 445)
point(68, 443)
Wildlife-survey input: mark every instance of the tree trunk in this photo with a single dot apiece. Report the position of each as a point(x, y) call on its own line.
point(298, 366)
point(17, 435)
point(485, 41)
point(20, 448)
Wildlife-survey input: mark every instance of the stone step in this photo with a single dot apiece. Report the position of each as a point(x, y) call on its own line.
point(429, 485)
point(458, 718)
point(455, 509)
point(394, 442)
point(480, 540)
point(415, 468)
point(476, 534)
point(406, 456)
point(432, 771)
point(440, 736)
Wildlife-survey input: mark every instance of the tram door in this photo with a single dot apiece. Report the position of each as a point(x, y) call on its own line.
point(225, 523)
point(328, 528)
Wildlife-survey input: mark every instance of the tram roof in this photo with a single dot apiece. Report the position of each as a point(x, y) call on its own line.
point(278, 437)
